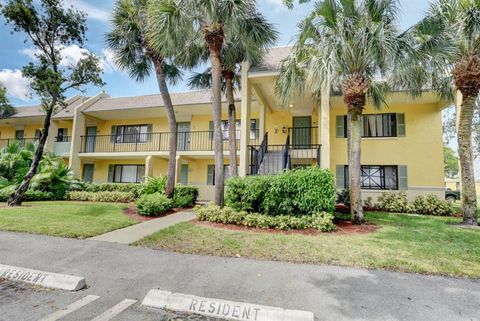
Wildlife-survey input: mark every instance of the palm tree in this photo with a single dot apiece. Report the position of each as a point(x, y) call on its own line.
point(447, 59)
point(234, 52)
point(176, 23)
point(347, 45)
point(133, 52)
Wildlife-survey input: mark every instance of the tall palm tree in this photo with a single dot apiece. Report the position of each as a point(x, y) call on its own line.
point(447, 59)
point(234, 52)
point(176, 23)
point(133, 52)
point(347, 44)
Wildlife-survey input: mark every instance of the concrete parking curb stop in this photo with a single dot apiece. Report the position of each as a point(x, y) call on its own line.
point(41, 278)
point(221, 308)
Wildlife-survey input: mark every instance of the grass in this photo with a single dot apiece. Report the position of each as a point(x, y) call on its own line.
point(66, 219)
point(420, 244)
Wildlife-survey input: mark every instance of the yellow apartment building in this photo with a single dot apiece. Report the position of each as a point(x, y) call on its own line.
point(107, 139)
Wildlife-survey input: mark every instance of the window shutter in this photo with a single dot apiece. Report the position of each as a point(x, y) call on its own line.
point(113, 134)
point(110, 173)
point(211, 175)
point(149, 132)
point(340, 176)
point(340, 123)
point(401, 132)
point(402, 177)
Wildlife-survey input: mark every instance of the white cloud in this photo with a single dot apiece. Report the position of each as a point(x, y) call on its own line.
point(92, 11)
point(277, 5)
point(16, 85)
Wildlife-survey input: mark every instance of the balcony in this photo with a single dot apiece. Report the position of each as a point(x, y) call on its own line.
point(62, 145)
point(156, 142)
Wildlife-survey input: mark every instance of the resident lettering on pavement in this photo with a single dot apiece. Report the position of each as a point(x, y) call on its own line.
point(22, 275)
point(222, 309)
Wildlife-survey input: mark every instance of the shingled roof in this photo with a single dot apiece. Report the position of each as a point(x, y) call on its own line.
point(271, 61)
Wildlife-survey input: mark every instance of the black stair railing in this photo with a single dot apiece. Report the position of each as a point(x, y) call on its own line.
point(258, 155)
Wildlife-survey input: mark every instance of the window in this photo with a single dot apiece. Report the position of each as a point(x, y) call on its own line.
point(88, 173)
point(38, 133)
point(376, 177)
point(131, 133)
point(375, 125)
point(62, 135)
point(211, 174)
point(128, 173)
point(19, 134)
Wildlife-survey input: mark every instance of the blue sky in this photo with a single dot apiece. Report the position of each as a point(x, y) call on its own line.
point(14, 53)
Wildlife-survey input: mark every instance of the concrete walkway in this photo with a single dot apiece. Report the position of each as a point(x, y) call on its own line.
point(136, 232)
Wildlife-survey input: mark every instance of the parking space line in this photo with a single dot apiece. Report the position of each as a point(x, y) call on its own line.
point(115, 310)
point(70, 308)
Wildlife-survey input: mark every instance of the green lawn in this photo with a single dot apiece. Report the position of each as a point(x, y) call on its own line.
point(422, 244)
point(67, 219)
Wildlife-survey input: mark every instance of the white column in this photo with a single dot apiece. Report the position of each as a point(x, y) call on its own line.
point(149, 166)
point(245, 121)
point(178, 169)
point(324, 128)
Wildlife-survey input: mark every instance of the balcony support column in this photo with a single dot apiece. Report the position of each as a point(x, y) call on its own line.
point(178, 169)
point(149, 166)
point(245, 116)
point(324, 127)
point(261, 126)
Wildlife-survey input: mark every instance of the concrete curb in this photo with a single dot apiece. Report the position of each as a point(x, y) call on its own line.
point(41, 278)
point(221, 308)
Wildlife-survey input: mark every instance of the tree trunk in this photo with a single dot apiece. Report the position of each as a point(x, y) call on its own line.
point(354, 166)
point(172, 124)
point(469, 195)
point(232, 130)
point(17, 198)
point(214, 40)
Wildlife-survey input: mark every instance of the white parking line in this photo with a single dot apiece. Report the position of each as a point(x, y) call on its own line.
point(70, 308)
point(115, 310)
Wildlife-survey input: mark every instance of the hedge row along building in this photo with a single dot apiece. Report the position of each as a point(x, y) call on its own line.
point(105, 139)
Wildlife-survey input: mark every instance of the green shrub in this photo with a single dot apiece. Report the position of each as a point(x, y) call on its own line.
point(154, 185)
point(30, 195)
point(298, 192)
point(431, 205)
point(247, 193)
point(321, 221)
point(392, 201)
point(185, 196)
point(153, 204)
point(343, 197)
point(134, 188)
point(103, 196)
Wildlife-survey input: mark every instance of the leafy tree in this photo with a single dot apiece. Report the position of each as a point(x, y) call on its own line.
point(49, 27)
point(234, 52)
point(450, 162)
point(210, 22)
point(129, 41)
point(6, 110)
point(450, 127)
point(347, 45)
point(447, 58)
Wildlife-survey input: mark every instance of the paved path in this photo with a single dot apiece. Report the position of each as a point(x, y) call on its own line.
point(116, 272)
point(137, 232)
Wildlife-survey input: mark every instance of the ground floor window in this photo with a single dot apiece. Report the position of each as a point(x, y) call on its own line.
point(88, 172)
point(377, 177)
point(211, 174)
point(128, 173)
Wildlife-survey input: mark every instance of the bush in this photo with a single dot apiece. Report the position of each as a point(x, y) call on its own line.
point(30, 195)
point(343, 197)
point(431, 205)
point(153, 204)
point(154, 185)
point(321, 221)
point(297, 192)
point(134, 188)
point(185, 196)
point(103, 196)
point(392, 201)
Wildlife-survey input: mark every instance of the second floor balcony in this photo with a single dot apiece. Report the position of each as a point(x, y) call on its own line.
point(157, 142)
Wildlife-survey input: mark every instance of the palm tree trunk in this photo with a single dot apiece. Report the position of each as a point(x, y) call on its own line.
point(17, 198)
point(232, 131)
point(354, 165)
point(214, 40)
point(172, 124)
point(469, 195)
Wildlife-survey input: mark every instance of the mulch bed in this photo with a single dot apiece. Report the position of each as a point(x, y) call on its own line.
point(343, 227)
point(131, 211)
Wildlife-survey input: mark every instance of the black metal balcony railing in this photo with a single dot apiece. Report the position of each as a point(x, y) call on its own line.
point(63, 139)
point(152, 142)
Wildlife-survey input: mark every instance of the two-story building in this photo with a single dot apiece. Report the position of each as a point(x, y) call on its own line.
point(107, 139)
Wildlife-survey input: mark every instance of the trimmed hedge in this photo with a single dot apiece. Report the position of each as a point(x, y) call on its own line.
point(154, 185)
point(185, 196)
point(297, 192)
point(103, 196)
point(153, 204)
point(321, 221)
point(423, 204)
point(30, 196)
point(134, 188)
